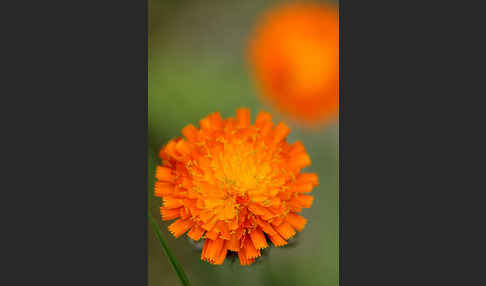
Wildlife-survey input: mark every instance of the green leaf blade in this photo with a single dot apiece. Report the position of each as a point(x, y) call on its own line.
point(175, 264)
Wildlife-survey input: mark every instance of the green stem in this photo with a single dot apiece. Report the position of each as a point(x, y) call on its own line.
point(177, 267)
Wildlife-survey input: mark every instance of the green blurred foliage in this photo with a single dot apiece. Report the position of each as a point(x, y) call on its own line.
point(197, 66)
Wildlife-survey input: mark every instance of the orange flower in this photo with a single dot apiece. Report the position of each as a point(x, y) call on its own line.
point(234, 185)
point(295, 56)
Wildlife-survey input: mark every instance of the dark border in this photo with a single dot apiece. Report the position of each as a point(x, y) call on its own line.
point(78, 129)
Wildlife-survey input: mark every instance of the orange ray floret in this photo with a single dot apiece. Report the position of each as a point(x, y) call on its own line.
point(179, 227)
point(277, 240)
point(163, 188)
point(286, 230)
point(164, 174)
point(294, 53)
point(196, 233)
point(297, 221)
point(258, 239)
point(234, 185)
point(168, 214)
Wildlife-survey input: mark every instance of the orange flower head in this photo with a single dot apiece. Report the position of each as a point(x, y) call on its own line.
point(294, 53)
point(234, 185)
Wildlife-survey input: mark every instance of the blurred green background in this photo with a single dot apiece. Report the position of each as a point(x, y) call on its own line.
point(197, 66)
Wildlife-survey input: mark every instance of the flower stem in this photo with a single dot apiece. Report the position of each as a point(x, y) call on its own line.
point(177, 267)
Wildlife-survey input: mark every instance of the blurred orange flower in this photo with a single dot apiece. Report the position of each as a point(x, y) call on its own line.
point(235, 185)
point(294, 53)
